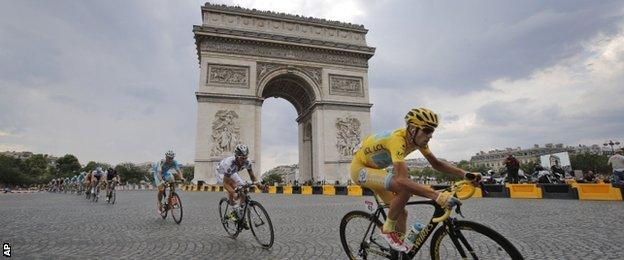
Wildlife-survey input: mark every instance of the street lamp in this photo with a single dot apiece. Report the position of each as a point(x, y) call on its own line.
point(611, 143)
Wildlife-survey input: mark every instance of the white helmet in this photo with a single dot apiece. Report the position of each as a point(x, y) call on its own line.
point(170, 153)
point(241, 150)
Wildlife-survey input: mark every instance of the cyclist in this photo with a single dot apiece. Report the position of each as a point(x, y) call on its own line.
point(112, 178)
point(87, 182)
point(96, 175)
point(163, 173)
point(228, 169)
point(66, 184)
point(73, 183)
point(382, 150)
point(80, 181)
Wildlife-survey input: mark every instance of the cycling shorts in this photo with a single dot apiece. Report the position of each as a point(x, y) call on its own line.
point(378, 180)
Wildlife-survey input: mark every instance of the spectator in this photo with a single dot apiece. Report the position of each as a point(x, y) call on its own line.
point(512, 165)
point(556, 169)
point(589, 177)
point(617, 163)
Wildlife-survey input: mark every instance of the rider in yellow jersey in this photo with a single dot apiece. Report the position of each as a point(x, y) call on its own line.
point(380, 151)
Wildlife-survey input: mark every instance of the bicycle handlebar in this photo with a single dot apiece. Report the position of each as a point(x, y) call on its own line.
point(456, 187)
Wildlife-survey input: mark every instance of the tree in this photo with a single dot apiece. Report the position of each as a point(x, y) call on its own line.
point(528, 168)
point(590, 162)
point(11, 171)
point(271, 178)
point(67, 165)
point(188, 173)
point(36, 167)
point(131, 173)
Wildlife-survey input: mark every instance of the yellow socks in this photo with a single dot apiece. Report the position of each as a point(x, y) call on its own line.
point(389, 226)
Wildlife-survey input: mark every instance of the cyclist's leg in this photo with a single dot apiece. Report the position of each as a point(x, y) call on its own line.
point(159, 195)
point(229, 186)
point(376, 179)
point(237, 181)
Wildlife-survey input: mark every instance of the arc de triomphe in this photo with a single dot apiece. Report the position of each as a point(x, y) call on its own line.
point(319, 66)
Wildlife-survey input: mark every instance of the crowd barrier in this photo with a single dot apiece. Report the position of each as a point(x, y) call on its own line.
point(558, 191)
point(524, 191)
point(495, 191)
point(581, 191)
point(597, 191)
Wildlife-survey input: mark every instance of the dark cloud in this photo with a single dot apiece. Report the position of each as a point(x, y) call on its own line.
point(461, 46)
point(98, 77)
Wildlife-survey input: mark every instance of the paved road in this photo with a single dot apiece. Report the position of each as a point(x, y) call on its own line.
point(62, 226)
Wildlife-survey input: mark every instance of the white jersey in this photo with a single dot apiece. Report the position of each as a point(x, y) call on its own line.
point(228, 166)
point(617, 162)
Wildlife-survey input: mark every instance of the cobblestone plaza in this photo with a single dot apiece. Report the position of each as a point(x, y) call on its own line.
point(63, 226)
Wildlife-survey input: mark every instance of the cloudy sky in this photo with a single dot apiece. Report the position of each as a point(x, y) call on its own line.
point(114, 81)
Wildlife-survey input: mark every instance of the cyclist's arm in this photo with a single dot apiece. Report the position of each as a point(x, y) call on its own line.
point(401, 170)
point(444, 167)
point(252, 176)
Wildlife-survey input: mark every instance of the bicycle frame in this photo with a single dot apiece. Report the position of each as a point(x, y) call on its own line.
point(424, 233)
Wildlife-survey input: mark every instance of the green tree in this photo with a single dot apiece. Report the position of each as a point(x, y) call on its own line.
point(131, 173)
point(67, 165)
point(188, 173)
point(36, 166)
point(11, 171)
point(528, 168)
point(590, 162)
point(272, 177)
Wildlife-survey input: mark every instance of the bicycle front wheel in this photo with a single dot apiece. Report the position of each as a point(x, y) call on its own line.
point(471, 240)
point(175, 205)
point(229, 224)
point(260, 224)
point(360, 235)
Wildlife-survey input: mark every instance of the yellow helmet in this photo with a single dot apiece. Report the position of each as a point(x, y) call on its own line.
point(422, 117)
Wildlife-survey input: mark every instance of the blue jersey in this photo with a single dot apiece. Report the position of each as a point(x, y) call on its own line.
point(165, 166)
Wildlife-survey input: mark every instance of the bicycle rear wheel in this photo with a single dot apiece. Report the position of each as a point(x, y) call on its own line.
point(230, 225)
point(96, 195)
point(175, 205)
point(472, 239)
point(113, 196)
point(260, 224)
point(360, 235)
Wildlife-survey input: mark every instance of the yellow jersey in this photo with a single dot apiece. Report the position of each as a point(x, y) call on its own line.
point(381, 150)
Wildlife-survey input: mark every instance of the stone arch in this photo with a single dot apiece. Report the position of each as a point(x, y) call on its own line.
point(319, 66)
point(293, 73)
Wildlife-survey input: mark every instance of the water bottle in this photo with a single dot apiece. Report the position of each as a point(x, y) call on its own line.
point(239, 212)
point(413, 232)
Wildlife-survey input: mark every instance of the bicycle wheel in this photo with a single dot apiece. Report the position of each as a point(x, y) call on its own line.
point(260, 224)
point(361, 237)
point(476, 241)
point(175, 205)
point(230, 225)
point(96, 195)
point(113, 196)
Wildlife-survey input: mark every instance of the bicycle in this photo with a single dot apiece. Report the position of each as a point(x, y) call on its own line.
point(253, 217)
point(173, 203)
point(96, 195)
point(111, 195)
point(451, 241)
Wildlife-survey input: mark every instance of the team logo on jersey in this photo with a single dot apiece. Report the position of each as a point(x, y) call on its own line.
point(362, 177)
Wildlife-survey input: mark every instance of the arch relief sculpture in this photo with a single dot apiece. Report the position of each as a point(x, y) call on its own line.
point(348, 135)
point(225, 132)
